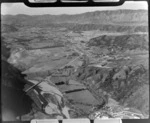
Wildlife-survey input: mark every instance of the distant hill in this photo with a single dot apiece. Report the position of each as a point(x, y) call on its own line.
point(123, 42)
point(8, 28)
point(97, 17)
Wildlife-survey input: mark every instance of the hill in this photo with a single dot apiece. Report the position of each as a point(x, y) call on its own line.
point(97, 17)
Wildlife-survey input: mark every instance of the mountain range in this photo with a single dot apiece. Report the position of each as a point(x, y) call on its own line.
point(96, 17)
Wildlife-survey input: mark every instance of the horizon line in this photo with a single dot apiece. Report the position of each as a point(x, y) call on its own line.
point(72, 14)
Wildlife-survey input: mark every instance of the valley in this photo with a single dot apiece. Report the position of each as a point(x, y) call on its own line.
point(88, 65)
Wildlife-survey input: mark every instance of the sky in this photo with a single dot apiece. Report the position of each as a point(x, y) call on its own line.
point(21, 8)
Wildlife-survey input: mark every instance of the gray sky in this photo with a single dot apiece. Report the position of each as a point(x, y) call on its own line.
point(20, 8)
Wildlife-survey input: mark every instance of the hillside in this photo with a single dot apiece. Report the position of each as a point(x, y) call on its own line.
point(97, 17)
point(122, 42)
